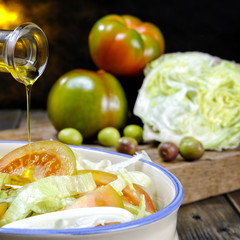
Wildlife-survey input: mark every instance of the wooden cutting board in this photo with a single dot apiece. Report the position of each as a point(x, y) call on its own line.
point(215, 173)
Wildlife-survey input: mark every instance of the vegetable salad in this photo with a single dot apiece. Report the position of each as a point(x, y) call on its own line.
point(99, 193)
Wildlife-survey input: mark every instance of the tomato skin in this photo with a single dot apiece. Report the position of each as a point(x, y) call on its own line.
point(134, 197)
point(44, 157)
point(102, 196)
point(100, 177)
point(87, 101)
point(123, 45)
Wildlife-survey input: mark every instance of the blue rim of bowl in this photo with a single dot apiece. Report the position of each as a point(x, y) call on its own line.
point(170, 208)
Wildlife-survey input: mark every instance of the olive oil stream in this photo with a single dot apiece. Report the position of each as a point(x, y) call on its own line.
point(27, 75)
point(31, 75)
point(24, 54)
point(24, 72)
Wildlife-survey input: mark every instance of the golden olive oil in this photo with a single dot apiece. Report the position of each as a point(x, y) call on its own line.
point(24, 54)
point(28, 96)
point(27, 75)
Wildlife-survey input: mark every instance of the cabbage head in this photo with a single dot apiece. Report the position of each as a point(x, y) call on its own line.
point(191, 94)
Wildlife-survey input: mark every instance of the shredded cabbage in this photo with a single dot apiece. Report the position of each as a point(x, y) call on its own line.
point(191, 94)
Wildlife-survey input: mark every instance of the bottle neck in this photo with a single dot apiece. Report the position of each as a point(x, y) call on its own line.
point(4, 35)
point(23, 52)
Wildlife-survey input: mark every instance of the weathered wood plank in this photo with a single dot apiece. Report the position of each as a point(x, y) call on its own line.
point(234, 198)
point(208, 219)
point(37, 117)
point(9, 118)
point(41, 132)
point(41, 128)
point(216, 173)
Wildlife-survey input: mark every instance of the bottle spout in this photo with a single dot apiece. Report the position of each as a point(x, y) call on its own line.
point(24, 52)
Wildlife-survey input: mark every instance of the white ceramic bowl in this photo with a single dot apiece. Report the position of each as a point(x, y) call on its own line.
point(160, 225)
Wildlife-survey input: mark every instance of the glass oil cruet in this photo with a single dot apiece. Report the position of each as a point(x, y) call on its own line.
point(24, 54)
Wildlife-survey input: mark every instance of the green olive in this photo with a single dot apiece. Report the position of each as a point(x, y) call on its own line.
point(134, 131)
point(127, 145)
point(191, 149)
point(70, 136)
point(108, 136)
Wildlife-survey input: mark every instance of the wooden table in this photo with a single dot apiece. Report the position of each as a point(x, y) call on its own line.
point(208, 215)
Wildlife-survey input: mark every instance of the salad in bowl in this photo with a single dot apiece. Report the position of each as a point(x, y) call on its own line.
point(48, 187)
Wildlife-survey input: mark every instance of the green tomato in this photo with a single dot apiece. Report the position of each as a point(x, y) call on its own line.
point(70, 136)
point(108, 136)
point(87, 101)
point(134, 131)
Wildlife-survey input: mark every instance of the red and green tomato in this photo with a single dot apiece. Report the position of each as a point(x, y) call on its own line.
point(123, 45)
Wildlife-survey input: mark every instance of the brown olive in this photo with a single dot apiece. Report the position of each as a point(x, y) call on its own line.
point(127, 145)
point(168, 151)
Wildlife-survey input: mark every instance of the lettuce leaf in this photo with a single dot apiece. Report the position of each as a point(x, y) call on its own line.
point(138, 211)
point(127, 178)
point(47, 194)
point(107, 165)
point(191, 94)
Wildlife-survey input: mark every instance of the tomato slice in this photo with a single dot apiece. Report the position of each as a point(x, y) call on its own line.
point(102, 196)
point(100, 177)
point(134, 197)
point(39, 159)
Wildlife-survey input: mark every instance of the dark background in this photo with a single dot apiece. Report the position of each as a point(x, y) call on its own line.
point(211, 26)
